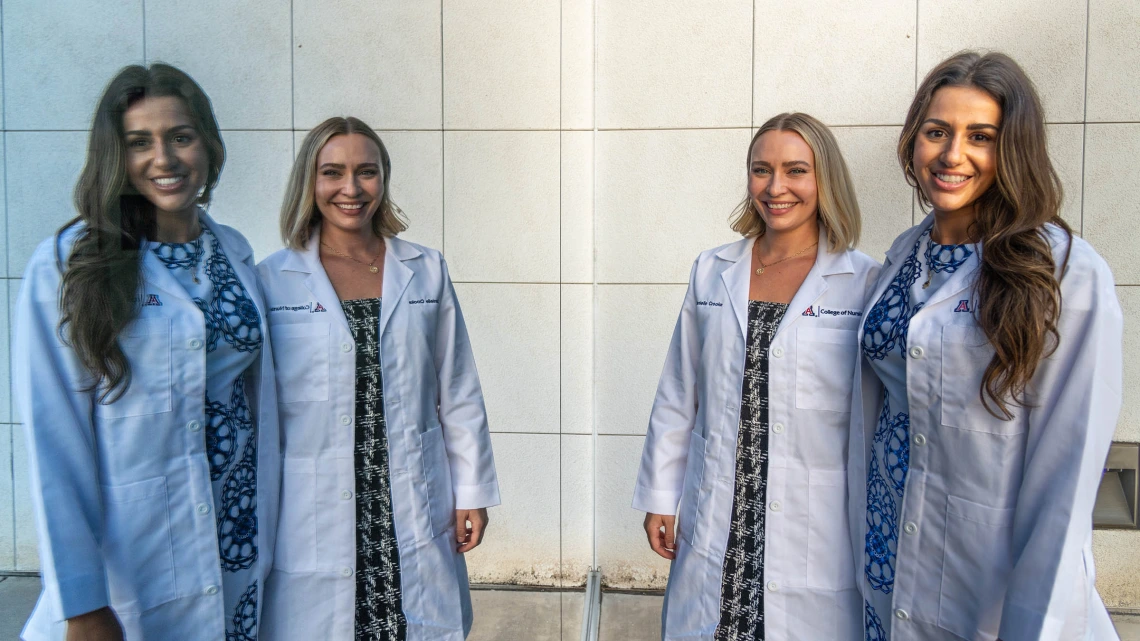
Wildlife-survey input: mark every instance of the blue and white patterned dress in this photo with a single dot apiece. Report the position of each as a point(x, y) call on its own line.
point(884, 347)
point(233, 341)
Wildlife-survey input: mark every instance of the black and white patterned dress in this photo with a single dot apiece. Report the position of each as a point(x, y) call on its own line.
point(379, 603)
point(742, 580)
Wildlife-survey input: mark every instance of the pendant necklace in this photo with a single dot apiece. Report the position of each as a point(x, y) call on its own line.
point(371, 265)
point(762, 267)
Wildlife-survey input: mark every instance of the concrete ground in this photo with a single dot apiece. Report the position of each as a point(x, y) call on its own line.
point(500, 615)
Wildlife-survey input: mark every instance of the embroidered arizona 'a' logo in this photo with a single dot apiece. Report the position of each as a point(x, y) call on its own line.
point(318, 308)
point(152, 299)
point(964, 306)
point(809, 312)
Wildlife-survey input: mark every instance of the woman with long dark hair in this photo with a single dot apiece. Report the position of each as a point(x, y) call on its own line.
point(145, 381)
point(990, 378)
point(388, 470)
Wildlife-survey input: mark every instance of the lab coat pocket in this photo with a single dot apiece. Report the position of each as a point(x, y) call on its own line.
point(825, 368)
point(301, 361)
point(976, 562)
point(965, 355)
point(137, 545)
point(146, 344)
point(437, 473)
point(296, 549)
point(830, 566)
point(691, 493)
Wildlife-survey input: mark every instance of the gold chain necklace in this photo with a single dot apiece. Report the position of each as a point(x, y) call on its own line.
point(762, 267)
point(370, 265)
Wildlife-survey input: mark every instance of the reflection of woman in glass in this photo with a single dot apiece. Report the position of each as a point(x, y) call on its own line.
point(388, 468)
point(991, 382)
point(146, 386)
point(749, 428)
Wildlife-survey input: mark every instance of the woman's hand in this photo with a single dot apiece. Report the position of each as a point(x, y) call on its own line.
point(469, 528)
point(99, 625)
point(659, 528)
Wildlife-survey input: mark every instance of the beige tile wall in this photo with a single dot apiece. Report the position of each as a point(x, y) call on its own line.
point(570, 158)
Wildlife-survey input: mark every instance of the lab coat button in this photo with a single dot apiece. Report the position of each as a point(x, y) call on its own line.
point(193, 426)
point(776, 506)
point(345, 347)
point(210, 590)
point(902, 614)
point(778, 428)
point(346, 572)
point(345, 419)
point(916, 352)
point(773, 586)
point(778, 352)
point(203, 508)
point(194, 343)
point(910, 527)
point(919, 439)
point(346, 495)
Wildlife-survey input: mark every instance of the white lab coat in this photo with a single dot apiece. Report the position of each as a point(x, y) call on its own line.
point(690, 449)
point(996, 520)
point(121, 492)
point(438, 442)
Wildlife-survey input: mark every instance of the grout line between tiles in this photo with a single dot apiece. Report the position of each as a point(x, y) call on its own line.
point(142, 4)
point(1085, 114)
point(594, 294)
point(561, 572)
point(292, 78)
point(442, 144)
point(917, 4)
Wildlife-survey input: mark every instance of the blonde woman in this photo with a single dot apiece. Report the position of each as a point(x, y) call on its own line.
point(387, 457)
point(749, 428)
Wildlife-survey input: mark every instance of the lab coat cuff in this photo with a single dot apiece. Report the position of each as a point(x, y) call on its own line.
point(473, 497)
point(1021, 622)
point(82, 594)
point(655, 501)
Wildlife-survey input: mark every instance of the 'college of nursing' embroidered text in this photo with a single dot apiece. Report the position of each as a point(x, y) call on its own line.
point(817, 310)
point(312, 308)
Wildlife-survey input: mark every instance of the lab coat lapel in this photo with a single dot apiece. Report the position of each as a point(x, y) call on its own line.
point(397, 275)
point(896, 255)
point(240, 258)
point(815, 283)
point(958, 282)
point(157, 276)
point(318, 282)
point(736, 278)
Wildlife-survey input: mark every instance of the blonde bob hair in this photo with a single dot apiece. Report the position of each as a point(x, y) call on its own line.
point(838, 206)
point(299, 212)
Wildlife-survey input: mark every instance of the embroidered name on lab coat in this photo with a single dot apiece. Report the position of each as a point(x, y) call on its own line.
point(709, 303)
point(964, 306)
point(151, 300)
point(817, 310)
point(424, 301)
point(312, 308)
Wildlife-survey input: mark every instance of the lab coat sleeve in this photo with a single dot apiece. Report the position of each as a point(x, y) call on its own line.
point(60, 438)
point(461, 410)
point(662, 476)
point(1070, 429)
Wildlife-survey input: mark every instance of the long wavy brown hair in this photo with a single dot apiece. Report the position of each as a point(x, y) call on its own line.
point(100, 289)
point(1019, 294)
